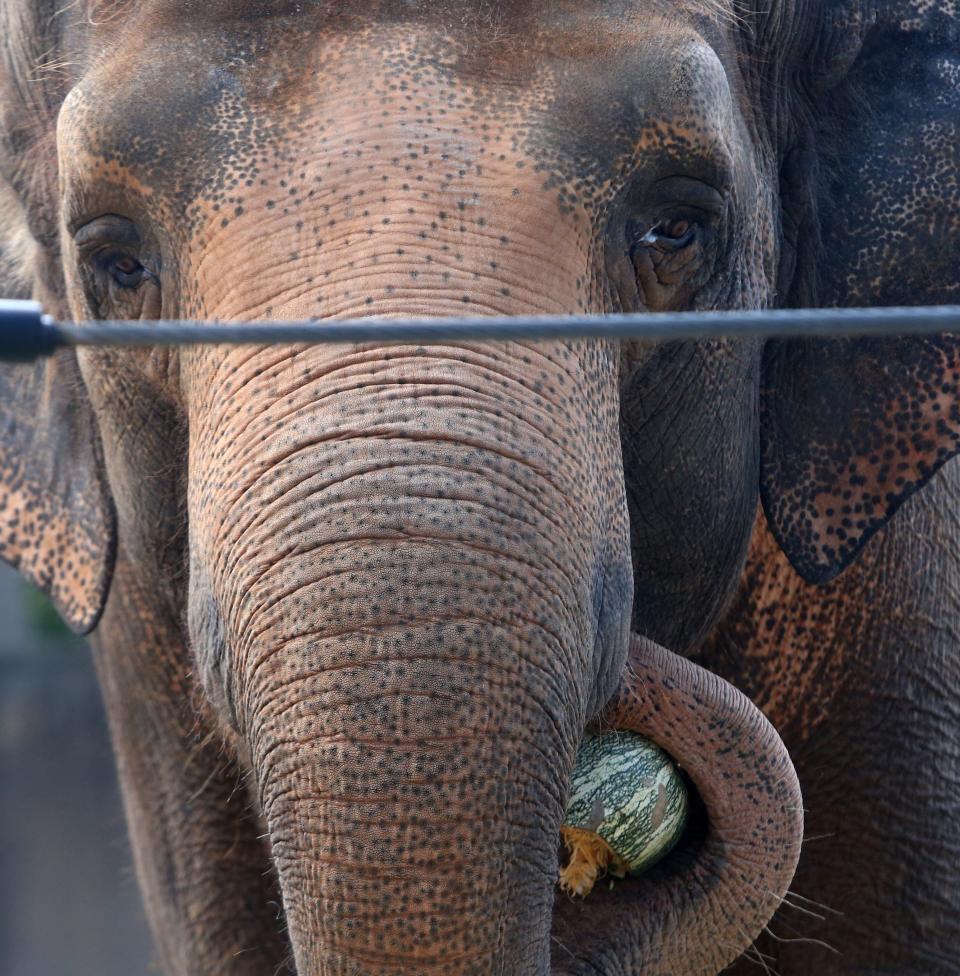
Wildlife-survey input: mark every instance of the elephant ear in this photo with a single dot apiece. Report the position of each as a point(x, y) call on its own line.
point(851, 428)
point(56, 516)
point(57, 524)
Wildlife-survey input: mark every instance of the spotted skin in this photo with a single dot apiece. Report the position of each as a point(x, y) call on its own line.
point(396, 584)
point(883, 418)
point(860, 675)
point(837, 466)
point(56, 513)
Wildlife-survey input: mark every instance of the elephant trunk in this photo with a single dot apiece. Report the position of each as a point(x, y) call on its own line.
point(412, 822)
point(718, 890)
point(401, 592)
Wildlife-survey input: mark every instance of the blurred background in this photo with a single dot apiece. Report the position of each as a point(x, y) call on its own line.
point(68, 896)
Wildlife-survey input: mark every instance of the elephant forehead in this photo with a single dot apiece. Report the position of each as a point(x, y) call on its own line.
point(192, 106)
point(480, 16)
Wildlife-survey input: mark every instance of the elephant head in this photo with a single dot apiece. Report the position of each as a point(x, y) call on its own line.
point(407, 574)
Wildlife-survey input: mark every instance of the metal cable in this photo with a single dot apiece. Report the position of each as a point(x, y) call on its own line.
point(655, 326)
point(25, 332)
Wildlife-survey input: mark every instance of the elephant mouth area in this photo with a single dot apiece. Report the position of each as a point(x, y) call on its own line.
point(608, 932)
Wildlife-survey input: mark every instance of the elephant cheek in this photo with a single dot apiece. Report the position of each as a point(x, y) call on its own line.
point(612, 601)
point(209, 645)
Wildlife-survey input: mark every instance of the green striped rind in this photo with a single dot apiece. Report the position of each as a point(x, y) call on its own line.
point(628, 775)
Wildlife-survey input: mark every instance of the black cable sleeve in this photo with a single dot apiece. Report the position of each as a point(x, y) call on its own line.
point(25, 332)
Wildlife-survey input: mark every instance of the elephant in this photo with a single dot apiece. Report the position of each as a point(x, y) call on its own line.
point(354, 606)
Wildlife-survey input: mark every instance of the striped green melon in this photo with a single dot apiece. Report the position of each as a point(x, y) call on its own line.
point(628, 793)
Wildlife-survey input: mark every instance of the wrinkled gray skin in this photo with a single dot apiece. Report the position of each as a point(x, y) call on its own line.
point(355, 606)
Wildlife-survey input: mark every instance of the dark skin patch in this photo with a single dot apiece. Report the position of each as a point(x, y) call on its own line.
point(835, 467)
point(860, 675)
point(839, 668)
point(852, 429)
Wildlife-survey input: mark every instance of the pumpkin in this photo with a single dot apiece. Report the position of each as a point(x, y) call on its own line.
point(628, 807)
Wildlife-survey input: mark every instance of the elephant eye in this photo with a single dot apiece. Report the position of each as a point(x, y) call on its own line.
point(666, 235)
point(110, 244)
point(115, 269)
point(126, 271)
point(678, 231)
